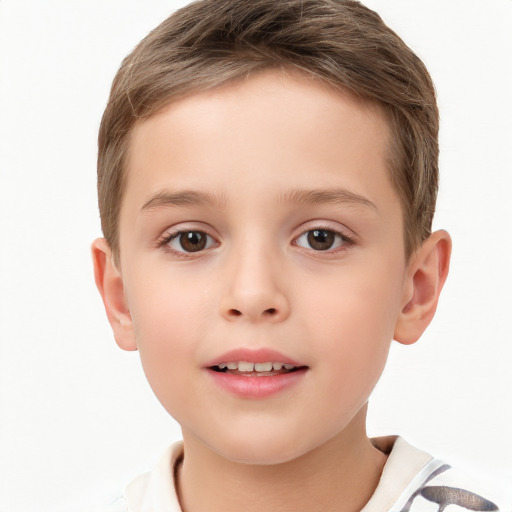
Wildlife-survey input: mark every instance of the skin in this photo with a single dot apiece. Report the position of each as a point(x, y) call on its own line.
point(258, 149)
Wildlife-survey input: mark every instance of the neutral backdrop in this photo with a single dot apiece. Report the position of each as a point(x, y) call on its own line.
point(78, 419)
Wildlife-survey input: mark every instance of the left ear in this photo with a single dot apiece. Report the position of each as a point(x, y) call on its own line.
point(426, 273)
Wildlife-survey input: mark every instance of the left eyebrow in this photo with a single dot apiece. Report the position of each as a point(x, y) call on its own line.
point(326, 196)
point(168, 198)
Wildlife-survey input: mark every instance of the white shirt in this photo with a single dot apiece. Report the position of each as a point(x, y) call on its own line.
point(412, 481)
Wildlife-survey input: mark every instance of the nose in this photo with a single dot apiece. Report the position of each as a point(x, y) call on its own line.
point(253, 290)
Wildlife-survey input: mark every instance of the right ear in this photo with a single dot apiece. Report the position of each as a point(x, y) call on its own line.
point(111, 287)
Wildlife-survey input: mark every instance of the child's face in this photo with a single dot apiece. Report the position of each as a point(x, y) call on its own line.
point(259, 224)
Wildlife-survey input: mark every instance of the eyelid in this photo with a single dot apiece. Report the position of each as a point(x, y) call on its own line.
point(174, 232)
point(348, 236)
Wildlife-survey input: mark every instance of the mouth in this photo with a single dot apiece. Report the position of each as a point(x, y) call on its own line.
point(256, 373)
point(255, 369)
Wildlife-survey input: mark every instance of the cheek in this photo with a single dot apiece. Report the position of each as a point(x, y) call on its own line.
point(354, 323)
point(359, 302)
point(165, 308)
point(168, 328)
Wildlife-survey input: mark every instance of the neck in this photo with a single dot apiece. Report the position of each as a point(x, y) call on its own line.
point(340, 476)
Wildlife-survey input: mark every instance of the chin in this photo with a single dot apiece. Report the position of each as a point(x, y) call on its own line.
point(261, 450)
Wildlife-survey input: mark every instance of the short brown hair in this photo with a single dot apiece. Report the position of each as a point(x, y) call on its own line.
point(211, 42)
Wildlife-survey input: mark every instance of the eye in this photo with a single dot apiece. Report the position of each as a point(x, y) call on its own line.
point(322, 239)
point(188, 241)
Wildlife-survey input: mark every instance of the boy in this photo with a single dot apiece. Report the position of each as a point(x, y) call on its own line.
point(267, 177)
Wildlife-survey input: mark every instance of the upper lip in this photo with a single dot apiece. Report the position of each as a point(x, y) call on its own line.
point(260, 355)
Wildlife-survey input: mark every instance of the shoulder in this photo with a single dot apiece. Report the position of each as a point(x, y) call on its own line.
point(153, 491)
point(414, 481)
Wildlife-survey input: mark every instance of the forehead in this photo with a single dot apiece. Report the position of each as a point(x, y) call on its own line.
point(276, 126)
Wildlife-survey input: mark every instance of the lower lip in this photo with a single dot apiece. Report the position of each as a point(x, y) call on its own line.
point(257, 387)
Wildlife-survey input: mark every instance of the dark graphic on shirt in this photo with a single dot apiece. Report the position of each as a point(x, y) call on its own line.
point(443, 496)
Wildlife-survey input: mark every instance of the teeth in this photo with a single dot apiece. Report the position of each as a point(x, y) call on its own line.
point(229, 366)
point(263, 367)
point(245, 366)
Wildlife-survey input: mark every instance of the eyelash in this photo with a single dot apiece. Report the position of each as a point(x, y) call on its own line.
point(165, 241)
point(346, 241)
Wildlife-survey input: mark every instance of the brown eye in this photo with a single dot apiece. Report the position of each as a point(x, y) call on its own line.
point(190, 241)
point(321, 240)
point(193, 241)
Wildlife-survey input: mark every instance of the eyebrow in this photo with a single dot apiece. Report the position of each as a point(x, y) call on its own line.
point(326, 196)
point(167, 198)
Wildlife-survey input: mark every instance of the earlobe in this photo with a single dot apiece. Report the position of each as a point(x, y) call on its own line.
point(110, 284)
point(426, 275)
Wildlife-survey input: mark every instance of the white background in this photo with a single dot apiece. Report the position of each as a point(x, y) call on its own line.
point(78, 419)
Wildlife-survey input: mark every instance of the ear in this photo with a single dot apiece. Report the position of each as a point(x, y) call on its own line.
point(110, 285)
point(426, 274)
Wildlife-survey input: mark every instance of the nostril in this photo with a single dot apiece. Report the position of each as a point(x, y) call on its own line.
point(269, 313)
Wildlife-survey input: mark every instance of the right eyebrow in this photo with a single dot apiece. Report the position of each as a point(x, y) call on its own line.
point(166, 198)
